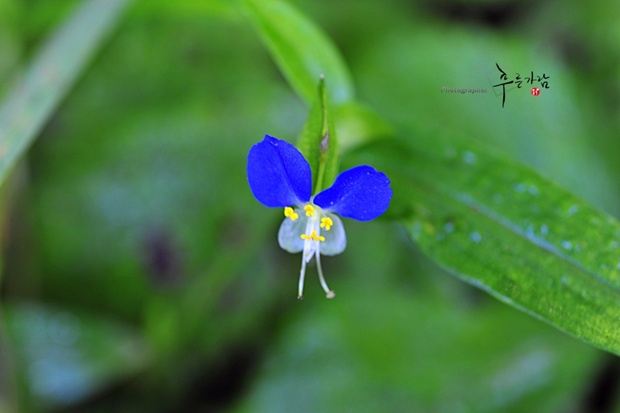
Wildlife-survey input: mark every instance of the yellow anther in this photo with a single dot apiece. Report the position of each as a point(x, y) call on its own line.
point(326, 223)
point(290, 213)
point(313, 236)
point(309, 210)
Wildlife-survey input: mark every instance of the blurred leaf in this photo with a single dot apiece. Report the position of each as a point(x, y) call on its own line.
point(318, 141)
point(37, 20)
point(132, 162)
point(505, 229)
point(31, 101)
point(301, 50)
point(381, 349)
point(10, 50)
point(7, 371)
point(10, 45)
point(67, 356)
point(404, 68)
point(358, 125)
point(225, 9)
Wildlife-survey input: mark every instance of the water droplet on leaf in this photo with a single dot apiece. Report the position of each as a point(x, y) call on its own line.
point(469, 157)
point(573, 210)
point(475, 237)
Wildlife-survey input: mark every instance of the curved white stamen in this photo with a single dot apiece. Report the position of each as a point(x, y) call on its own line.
point(328, 293)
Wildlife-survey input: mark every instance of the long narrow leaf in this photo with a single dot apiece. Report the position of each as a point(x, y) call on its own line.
point(301, 50)
point(53, 71)
point(318, 141)
point(507, 230)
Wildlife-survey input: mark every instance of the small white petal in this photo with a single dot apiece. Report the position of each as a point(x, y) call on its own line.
point(289, 235)
point(335, 238)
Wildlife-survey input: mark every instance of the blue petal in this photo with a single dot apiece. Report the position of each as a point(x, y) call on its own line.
point(360, 193)
point(278, 173)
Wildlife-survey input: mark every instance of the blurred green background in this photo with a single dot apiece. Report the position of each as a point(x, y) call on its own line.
point(140, 275)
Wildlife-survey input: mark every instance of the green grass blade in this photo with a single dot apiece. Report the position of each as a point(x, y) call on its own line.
point(300, 49)
point(502, 227)
point(53, 71)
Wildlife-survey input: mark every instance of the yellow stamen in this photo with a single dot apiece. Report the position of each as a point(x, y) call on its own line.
point(326, 223)
point(313, 236)
point(309, 210)
point(290, 213)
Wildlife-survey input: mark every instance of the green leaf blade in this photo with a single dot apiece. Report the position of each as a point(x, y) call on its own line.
point(510, 232)
point(300, 49)
point(318, 141)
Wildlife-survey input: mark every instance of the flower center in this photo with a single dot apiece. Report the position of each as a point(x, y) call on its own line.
point(313, 236)
point(316, 221)
point(315, 215)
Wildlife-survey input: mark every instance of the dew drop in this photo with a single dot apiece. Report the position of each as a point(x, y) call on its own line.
point(475, 237)
point(618, 266)
point(523, 187)
point(573, 210)
point(567, 245)
point(529, 231)
point(469, 157)
point(544, 229)
point(448, 227)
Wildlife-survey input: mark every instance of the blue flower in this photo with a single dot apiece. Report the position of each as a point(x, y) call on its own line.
point(280, 177)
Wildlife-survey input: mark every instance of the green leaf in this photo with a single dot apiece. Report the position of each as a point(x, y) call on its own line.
point(225, 9)
point(377, 349)
point(318, 141)
point(301, 50)
point(359, 125)
point(507, 230)
point(54, 69)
